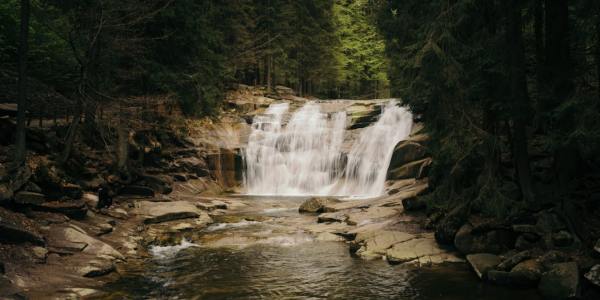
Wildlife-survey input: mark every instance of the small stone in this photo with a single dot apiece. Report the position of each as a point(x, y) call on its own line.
point(483, 262)
point(29, 198)
point(561, 282)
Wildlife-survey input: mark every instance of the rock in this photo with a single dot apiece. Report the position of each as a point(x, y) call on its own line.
point(417, 169)
point(525, 243)
point(329, 237)
point(32, 187)
point(594, 275)
point(379, 242)
point(316, 204)
point(515, 259)
point(91, 200)
point(39, 253)
point(562, 239)
point(75, 209)
point(16, 228)
point(211, 205)
point(71, 239)
point(332, 217)
point(525, 228)
point(2, 268)
point(499, 277)
point(370, 215)
point(413, 203)
point(483, 262)
point(526, 273)
point(137, 190)
point(97, 268)
point(561, 282)
point(406, 152)
point(5, 193)
point(104, 228)
point(160, 183)
point(71, 190)
point(25, 198)
point(158, 212)
point(597, 246)
point(446, 229)
point(423, 249)
point(180, 177)
point(494, 241)
point(116, 212)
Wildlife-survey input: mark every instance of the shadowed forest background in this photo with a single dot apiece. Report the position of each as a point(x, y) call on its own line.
point(508, 90)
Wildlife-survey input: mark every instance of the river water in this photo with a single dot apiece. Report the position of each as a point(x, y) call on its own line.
point(273, 259)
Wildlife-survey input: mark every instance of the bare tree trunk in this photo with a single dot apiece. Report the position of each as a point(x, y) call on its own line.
point(519, 97)
point(22, 98)
point(122, 143)
point(71, 134)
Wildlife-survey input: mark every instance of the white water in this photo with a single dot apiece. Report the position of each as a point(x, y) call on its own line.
point(304, 156)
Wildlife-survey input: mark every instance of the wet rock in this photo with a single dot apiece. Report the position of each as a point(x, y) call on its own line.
point(560, 282)
point(16, 228)
point(158, 212)
point(417, 169)
point(332, 217)
point(25, 198)
point(526, 273)
point(562, 239)
point(96, 268)
point(137, 190)
point(316, 204)
point(446, 229)
point(483, 262)
point(406, 152)
point(594, 275)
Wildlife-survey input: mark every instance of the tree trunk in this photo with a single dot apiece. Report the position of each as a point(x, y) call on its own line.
point(71, 134)
point(519, 97)
point(539, 48)
point(22, 98)
point(122, 143)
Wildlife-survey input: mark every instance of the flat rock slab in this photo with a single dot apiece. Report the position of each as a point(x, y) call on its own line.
point(72, 239)
point(376, 245)
point(369, 215)
point(158, 212)
point(482, 263)
point(421, 250)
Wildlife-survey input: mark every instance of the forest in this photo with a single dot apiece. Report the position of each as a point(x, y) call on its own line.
point(105, 99)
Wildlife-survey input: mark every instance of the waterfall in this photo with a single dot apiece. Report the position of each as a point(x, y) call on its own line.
point(304, 156)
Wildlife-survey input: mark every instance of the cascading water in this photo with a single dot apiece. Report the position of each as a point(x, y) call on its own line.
point(305, 156)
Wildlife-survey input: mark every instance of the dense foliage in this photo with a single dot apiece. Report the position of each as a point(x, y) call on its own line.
point(95, 51)
point(508, 90)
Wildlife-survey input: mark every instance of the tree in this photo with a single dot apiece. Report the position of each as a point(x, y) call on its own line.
point(22, 98)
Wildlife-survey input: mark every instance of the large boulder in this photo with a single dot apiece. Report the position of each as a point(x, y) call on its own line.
point(560, 282)
point(158, 212)
point(482, 263)
point(416, 169)
point(316, 204)
point(406, 152)
point(446, 229)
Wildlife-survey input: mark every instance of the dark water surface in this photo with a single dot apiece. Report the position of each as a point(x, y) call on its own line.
point(291, 265)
